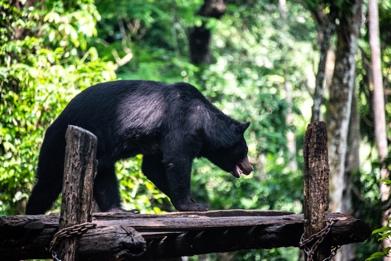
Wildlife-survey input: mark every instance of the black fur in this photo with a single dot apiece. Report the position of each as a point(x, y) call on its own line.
point(169, 124)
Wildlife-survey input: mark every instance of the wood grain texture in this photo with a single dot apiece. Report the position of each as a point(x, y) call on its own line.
point(79, 172)
point(316, 183)
point(173, 234)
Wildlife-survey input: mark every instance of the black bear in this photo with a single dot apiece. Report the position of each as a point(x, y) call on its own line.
point(170, 124)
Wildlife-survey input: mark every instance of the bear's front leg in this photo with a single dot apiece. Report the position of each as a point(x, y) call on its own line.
point(178, 171)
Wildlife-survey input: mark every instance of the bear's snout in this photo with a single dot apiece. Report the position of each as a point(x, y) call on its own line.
point(245, 166)
point(242, 167)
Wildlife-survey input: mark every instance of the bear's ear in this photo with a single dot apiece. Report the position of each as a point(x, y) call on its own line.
point(245, 126)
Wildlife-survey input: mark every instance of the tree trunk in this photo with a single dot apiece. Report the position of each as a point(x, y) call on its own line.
point(289, 120)
point(352, 165)
point(200, 36)
point(377, 81)
point(352, 161)
point(340, 103)
point(326, 28)
point(290, 135)
point(341, 91)
point(330, 63)
point(325, 33)
point(378, 106)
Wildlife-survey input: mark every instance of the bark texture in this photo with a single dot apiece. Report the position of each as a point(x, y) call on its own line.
point(316, 183)
point(79, 173)
point(341, 91)
point(326, 29)
point(349, 15)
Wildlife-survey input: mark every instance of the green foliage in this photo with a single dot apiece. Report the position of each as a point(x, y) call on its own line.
point(368, 197)
point(378, 255)
point(381, 234)
point(45, 60)
point(137, 192)
point(155, 32)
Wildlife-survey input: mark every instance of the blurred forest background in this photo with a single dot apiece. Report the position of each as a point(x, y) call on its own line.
point(268, 62)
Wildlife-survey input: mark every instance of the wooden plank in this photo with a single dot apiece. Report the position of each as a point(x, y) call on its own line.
point(209, 213)
point(171, 235)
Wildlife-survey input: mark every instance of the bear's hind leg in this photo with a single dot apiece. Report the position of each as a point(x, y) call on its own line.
point(106, 192)
point(42, 197)
point(49, 176)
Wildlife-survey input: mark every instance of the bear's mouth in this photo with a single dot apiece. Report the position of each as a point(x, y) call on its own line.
point(242, 167)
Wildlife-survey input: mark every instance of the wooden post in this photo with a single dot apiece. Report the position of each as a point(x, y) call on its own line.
point(316, 184)
point(79, 172)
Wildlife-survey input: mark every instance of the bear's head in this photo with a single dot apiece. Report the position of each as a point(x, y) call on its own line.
point(231, 155)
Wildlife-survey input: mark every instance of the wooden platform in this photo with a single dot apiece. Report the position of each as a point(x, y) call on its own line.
point(173, 234)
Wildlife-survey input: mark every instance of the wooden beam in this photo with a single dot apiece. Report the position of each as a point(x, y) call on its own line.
point(172, 235)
